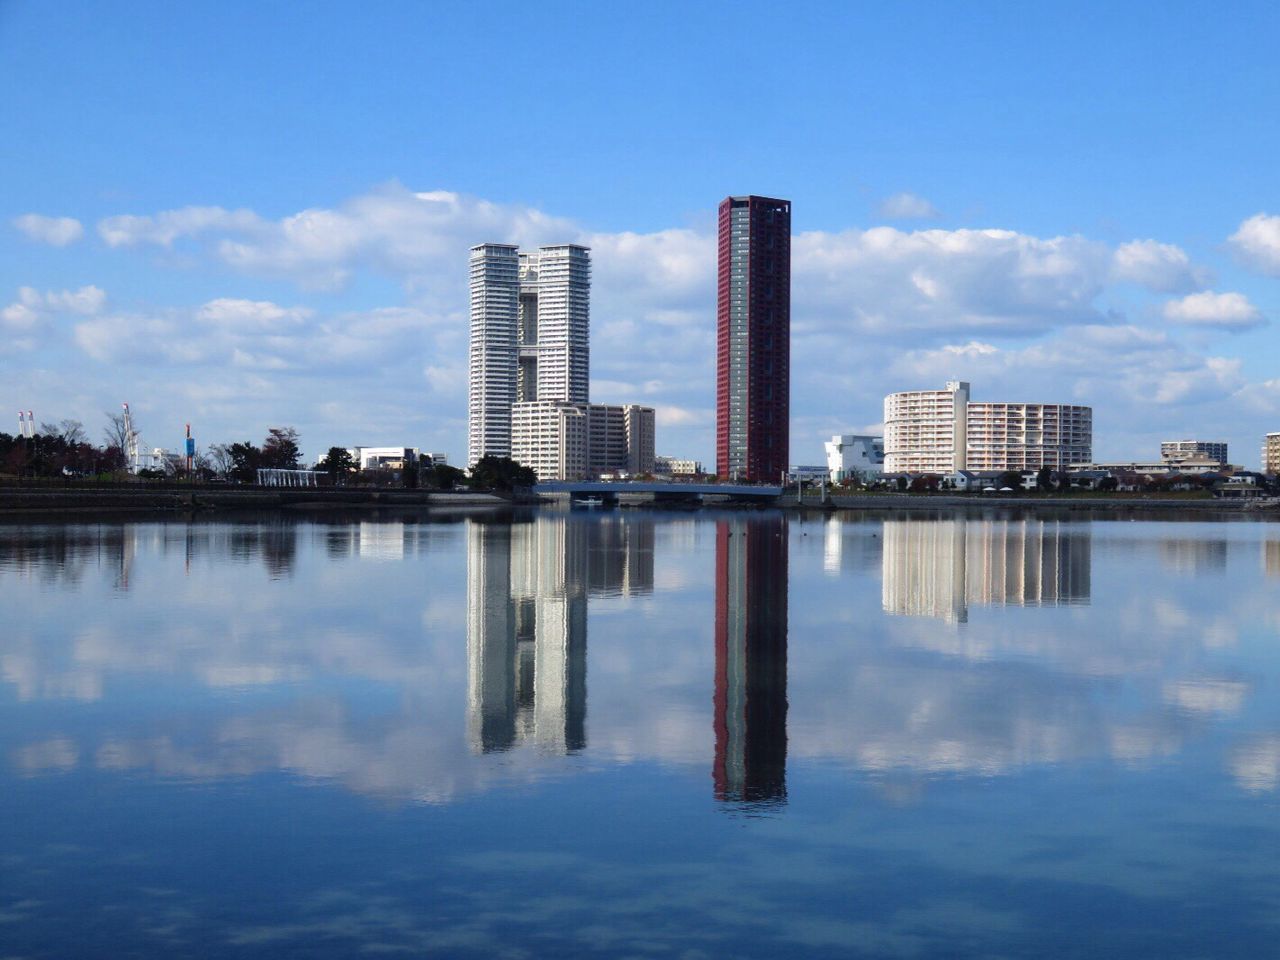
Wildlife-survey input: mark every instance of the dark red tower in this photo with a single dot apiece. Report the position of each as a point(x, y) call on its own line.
point(753, 339)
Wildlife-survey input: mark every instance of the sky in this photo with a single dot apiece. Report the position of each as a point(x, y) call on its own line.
point(248, 215)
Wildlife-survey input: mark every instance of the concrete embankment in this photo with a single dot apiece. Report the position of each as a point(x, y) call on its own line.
point(81, 500)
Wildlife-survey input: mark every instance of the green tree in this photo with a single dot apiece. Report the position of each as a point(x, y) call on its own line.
point(501, 473)
point(245, 461)
point(441, 476)
point(338, 463)
point(1045, 479)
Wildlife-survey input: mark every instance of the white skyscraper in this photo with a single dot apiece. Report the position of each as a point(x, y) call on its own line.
point(491, 372)
point(530, 336)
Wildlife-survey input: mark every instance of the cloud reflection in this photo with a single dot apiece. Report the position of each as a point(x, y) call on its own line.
point(731, 643)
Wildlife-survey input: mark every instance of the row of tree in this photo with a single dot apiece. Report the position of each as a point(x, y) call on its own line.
point(63, 449)
point(58, 449)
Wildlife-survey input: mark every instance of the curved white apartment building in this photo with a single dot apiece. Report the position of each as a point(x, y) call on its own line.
point(940, 431)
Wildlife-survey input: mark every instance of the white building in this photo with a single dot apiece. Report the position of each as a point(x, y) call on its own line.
point(530, 328)
point(677, 467)
point(941, 431)
point(853, 455)
point(578, 441)
point(1199, 451)
point(390, 458)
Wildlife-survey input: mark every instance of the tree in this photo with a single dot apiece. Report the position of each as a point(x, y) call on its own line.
point(1011, 479)
point(338, 463)
point(220, 459)
point(113, 459)
point(115, 434)
point(70, 432)
point(441, 476)
point(1045, 479)
point(245, 461)
point(501, 473)
point(280, 449)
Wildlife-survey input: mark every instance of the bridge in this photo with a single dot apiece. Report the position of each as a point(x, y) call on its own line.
point(609, 492)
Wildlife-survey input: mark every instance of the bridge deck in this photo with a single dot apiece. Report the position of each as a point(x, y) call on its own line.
point(605, 488)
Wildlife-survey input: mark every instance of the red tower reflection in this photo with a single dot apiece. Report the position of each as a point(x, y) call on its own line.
point(751, 661)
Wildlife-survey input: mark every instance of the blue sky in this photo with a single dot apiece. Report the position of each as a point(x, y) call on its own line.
point(246, 215)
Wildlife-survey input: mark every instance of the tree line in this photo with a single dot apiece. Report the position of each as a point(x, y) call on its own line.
point(63, 449)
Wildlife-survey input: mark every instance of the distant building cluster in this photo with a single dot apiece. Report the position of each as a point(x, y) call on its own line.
point(941, 431)
point(529, 374)
point(529, 369)
point(393, 458)
point(1194, 452)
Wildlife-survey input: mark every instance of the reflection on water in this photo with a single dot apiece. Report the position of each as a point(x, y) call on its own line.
point(527, 590)
point(751, 661)
point(1183, 555)
point(383, 728)
point(940, 568)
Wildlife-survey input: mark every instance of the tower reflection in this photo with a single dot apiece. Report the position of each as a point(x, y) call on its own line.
point(527, 589)
point(751, 661)
point(941, 567)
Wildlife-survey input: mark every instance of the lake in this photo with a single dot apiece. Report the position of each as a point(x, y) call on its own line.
point(640, 734)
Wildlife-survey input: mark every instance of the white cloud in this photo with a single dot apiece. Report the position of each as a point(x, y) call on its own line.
point(1112, 368)
point(251, 314)
point(55, 231)
point(33, 308)
point(419, 238)
point(907, 206)
point(890, 283)
point(1157, 266)
point(1257, 243)
point(162, 229)
point(671, 416)
point(1225, 311)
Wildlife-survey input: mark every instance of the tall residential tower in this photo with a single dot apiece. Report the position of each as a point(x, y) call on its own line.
point(753, 339)
point(530, 320)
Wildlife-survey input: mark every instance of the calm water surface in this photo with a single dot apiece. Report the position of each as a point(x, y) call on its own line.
point(638, 734)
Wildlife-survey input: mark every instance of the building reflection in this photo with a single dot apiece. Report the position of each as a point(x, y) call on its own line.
point(942, 567)
point(751, 661)
point(1194, 556)
point(1271, 557)
point(527, 589)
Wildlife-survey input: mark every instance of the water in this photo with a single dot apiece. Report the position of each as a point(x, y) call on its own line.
point(639, 734)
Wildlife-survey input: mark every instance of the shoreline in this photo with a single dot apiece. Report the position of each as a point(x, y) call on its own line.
point(43, 502)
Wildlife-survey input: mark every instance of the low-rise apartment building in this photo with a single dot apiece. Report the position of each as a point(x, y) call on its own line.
point(942, 431)
point(581, 441)
point(1271, 454)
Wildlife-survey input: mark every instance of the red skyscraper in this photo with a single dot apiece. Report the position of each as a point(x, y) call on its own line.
point(753, 339)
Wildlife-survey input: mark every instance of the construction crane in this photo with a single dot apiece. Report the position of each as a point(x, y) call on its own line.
point(130, 441)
